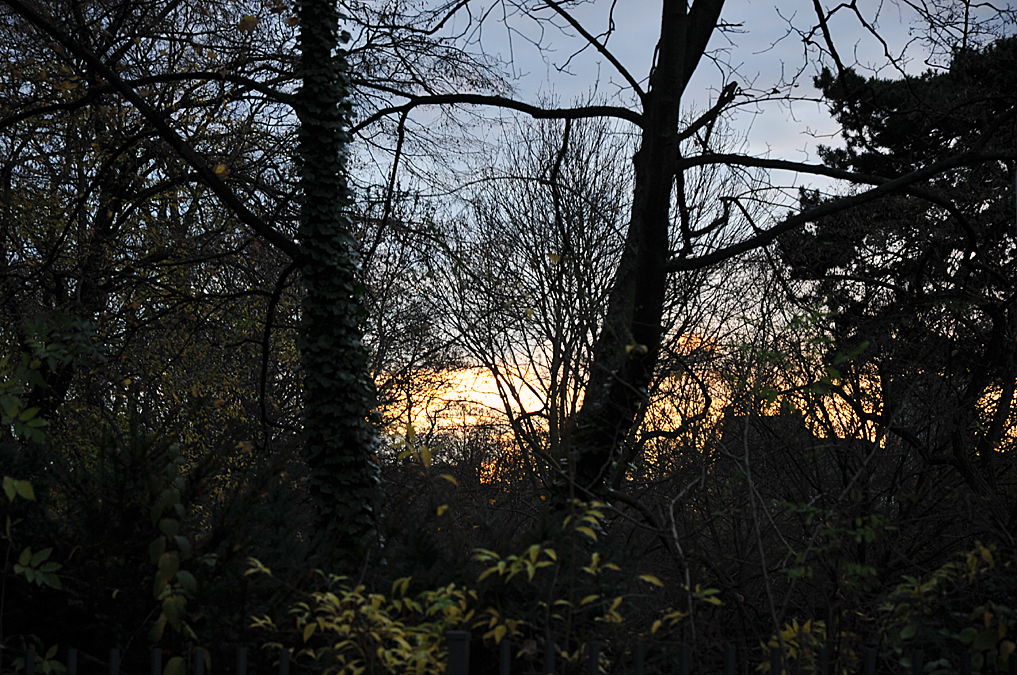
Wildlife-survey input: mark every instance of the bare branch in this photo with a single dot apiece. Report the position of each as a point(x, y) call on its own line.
point(162, 127)
point(883, 188)
point(598, 46)
point(582, 112)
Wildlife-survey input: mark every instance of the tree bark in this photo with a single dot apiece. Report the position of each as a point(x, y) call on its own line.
point(629, 341)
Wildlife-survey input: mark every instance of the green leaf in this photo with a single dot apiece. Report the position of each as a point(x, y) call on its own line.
point(156, 512)
point(987, 639)
point(908, 631)
point(175, 607)
point(175, 666)
point(183, 545)
point(169, 563)
point(9, 488)
point(41, 556)
point(187, 580)
point(169, 526)
point(156, 549)
point(25, 558)
point(968, 635)
point(24, 489)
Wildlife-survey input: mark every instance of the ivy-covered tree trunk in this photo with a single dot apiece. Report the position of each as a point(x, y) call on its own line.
point(339, 439)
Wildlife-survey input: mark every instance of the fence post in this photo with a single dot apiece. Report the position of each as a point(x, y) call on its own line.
point(156, 661)
point(730, 659)
point(114, 662)
point(284, 662)
point(775, 662)
point(824, 661)
point(241, 661)
point(30, 661)
point(594, 659)
point(505, 666)
point(965, 663)
point(549, 659)
point(684, 658)
point(870, 661)
point(640, 658)
point(458, 652)
point(199, 662)
point(72, 661)
point(917, 662)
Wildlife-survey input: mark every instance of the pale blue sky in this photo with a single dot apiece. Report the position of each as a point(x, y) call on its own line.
point(761, 52)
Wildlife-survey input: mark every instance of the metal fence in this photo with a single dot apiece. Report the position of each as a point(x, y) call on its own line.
point(113, 664)
point(459, 661)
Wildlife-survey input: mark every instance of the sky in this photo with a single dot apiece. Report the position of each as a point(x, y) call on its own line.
point(759, 54)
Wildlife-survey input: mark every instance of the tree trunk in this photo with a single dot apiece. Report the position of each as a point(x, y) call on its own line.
point(339, 440)
point(629, 342)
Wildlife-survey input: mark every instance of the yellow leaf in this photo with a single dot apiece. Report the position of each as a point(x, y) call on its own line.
point(247, 23)
point(442, 509)
point(588, 599)
point(309, 631)
point(649, 578)
point(221, 170)
point(656, 626)
point(986, 555)
point(450, 479)
point(554, 257)
point(403, 582)
point(1006, 648)
point(589, 533)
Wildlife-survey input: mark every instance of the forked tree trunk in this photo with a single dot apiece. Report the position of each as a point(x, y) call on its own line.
point(629, 342)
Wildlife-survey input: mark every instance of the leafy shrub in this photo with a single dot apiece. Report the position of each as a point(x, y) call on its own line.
point(965, 604)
